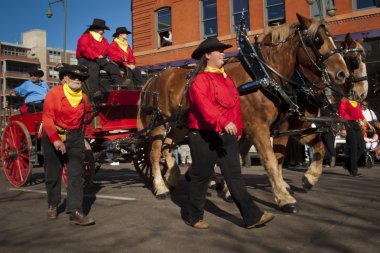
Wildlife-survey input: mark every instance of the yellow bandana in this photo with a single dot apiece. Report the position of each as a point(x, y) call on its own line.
point(98, 37)
point(122, 45)
point(215, 70)
point(353, 103)
point(74, 97)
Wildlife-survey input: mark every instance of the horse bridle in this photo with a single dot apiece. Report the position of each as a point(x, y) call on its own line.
point(352, 64)
point(315, 44)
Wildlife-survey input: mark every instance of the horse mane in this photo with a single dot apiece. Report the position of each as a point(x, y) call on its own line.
point(281, 33)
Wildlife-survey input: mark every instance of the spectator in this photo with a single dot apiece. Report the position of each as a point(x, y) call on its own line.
point(34, 91)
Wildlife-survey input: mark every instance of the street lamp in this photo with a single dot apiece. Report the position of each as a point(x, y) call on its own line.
point(324, 7)
point(49, 14)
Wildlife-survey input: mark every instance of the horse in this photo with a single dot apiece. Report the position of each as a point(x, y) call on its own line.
point(260, 109)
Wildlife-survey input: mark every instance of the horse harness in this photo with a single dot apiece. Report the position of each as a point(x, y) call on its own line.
point(262, 73)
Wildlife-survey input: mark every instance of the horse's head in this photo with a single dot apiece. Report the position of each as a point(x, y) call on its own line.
point(318, 54)
point(354, 55)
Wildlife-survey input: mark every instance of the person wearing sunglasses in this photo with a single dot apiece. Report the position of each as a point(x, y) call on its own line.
point(63, 143)
point(33, 91)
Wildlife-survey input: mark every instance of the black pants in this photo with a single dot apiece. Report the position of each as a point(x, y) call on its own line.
point(35, 107)
point(93, 70)
point(354, 146)
point(53, 164)
point(328, 140)
point(135, 76)
point(208, 148)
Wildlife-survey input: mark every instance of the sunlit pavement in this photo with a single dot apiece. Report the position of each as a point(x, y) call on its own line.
point(340, 214)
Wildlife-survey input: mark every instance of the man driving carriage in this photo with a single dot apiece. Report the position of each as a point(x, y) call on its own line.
point(34, 91)
point(92, 52)
point(63, 142)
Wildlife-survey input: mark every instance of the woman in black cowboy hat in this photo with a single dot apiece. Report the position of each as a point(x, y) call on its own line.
point(92, 52)
point(34, 91)
point(63, 142)
point(215, 126)
point(121, 53)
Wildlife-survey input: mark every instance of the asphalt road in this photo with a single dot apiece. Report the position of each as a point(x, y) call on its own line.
point(341, 214)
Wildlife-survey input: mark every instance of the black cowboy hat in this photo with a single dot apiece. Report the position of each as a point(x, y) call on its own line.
point(76, 70)
point(121, 30)
point(208, 45)
point(98, 23)
point(36, 72)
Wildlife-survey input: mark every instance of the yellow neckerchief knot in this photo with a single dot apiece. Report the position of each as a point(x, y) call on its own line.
point(123, 45)
point(216, 70)
point(74, 97)
point(353, 103)
point(98, 37)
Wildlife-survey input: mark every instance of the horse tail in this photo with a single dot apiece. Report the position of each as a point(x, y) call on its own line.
point(141, 122)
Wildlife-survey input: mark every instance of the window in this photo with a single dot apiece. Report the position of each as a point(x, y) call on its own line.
point(73, 60)
point(209, 21)
point(327, 5)
point(237, 8)
point(53, 73)
point(164, 27)
point(55, 57)
point(315, 11)
point(275, 12)
point(365, 4)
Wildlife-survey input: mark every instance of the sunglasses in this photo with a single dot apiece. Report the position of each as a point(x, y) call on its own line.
point(73, 77)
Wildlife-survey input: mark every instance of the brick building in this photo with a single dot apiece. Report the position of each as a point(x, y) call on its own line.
point(167, 31)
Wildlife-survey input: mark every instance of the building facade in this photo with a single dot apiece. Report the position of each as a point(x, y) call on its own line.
point(168, 31)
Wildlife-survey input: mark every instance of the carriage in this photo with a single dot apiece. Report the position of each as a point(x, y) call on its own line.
point(112, 120)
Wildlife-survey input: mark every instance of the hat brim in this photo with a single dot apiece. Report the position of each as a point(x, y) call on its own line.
point(117, 34)
point(99, 27)
point(200, 51)
point(38, 73)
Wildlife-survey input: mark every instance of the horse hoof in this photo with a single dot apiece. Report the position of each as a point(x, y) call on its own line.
point(228, 199)
point(289, 208)
point(163, 196)
point(291, 192)
point(187, 176)
point(306, 184)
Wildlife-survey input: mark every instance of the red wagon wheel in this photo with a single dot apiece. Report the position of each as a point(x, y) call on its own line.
point(16, 153)
point(143, 165)
point(88, 167)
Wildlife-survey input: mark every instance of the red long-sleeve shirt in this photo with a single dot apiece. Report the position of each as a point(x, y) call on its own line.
point(89, 48)
point(58, 111)
point(214, 103)
point(116, 54)
point(348, 112)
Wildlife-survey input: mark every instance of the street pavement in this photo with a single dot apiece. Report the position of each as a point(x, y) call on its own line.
point(340, 214)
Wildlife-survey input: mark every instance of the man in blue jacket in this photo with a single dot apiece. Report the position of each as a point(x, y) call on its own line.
point(34, 91)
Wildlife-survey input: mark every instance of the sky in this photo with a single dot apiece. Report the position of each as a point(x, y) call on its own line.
point(17, 16)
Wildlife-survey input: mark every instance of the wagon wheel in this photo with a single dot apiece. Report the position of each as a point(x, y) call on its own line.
point(16, 152)
point(143, 165)
point(88, 167)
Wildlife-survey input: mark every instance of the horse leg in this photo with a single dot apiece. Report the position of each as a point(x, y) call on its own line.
point(173, 172)
point(283, 198)
point(159, 188)
point(315, 168)
point(279, 146)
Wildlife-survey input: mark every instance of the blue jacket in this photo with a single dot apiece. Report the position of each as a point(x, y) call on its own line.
point(33, 92)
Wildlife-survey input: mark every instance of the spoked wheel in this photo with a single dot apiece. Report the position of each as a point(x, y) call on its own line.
point(16, 153)
point(143, 165)
point(88, 167)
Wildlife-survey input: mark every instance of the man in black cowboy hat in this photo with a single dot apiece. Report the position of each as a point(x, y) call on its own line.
point(34, 90)
point(121, 53)
point(63, 143)
point(92, 52)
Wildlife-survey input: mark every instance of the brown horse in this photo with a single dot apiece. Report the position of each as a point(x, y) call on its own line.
point(260, 109)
